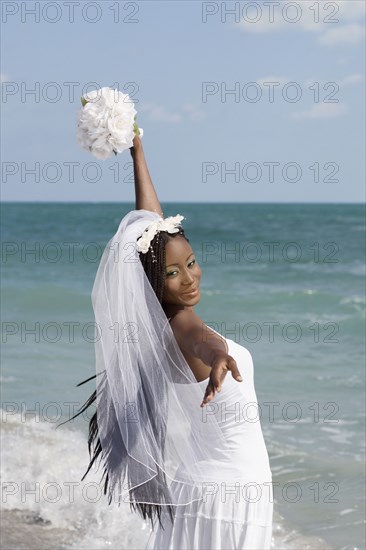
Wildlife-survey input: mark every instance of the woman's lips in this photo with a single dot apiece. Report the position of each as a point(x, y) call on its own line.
point(191, 292)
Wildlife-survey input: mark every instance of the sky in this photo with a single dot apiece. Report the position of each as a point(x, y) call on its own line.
point(239, 101)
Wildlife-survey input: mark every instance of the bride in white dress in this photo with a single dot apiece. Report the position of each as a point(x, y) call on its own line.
point(167, 405)
point(237, 506)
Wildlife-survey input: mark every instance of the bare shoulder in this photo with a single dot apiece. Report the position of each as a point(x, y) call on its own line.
point(186, 321)
point(190, 330)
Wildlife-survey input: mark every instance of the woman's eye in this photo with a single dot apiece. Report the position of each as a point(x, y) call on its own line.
point(173, 272)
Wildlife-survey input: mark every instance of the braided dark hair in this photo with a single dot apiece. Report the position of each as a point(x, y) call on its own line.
point(153, 262)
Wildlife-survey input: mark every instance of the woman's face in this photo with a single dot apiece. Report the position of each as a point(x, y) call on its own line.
point(182, 274)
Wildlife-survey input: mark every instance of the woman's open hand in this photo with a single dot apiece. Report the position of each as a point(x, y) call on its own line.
point(221, 364)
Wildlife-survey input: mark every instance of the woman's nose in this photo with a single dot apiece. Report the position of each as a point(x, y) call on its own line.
point(188, 278)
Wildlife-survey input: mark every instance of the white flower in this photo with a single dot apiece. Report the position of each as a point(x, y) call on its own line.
point(106, 122)
point(170, 224)
point(143, 244)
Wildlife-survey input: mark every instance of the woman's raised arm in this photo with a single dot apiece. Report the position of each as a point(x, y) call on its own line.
point(146, 197)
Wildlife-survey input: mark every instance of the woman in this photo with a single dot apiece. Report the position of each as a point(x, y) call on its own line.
point(203, 471)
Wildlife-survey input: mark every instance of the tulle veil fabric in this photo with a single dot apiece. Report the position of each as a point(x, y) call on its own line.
point(153, 447)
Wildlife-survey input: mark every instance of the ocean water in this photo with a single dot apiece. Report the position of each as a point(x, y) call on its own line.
point(286, 281)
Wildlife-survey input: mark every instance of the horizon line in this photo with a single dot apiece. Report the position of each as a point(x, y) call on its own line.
point(175, 202)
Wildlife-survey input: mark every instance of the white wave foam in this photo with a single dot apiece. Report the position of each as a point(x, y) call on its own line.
point(41, 473)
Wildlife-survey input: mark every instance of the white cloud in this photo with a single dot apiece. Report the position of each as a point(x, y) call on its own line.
point(261, 26)
point(266, 18)
point(322, 110)
point(351, 10)
point(158, 113)
point(346, 34)
point(193, 112)
point(350, 80)
point(334, 22)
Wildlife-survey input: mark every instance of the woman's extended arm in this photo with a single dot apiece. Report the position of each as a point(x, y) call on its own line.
point(146, 197)
point(192, 336)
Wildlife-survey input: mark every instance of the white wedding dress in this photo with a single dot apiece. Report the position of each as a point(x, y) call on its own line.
point(237, 508)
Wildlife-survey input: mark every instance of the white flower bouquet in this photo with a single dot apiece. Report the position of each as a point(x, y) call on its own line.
point(106, 122)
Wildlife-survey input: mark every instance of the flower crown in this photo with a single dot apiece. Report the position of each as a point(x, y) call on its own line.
point(170, 224)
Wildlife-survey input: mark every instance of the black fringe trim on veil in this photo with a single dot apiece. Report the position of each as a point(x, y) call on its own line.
point(117, 461)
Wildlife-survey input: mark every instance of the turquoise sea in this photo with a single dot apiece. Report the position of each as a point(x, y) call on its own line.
point(287, 281)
